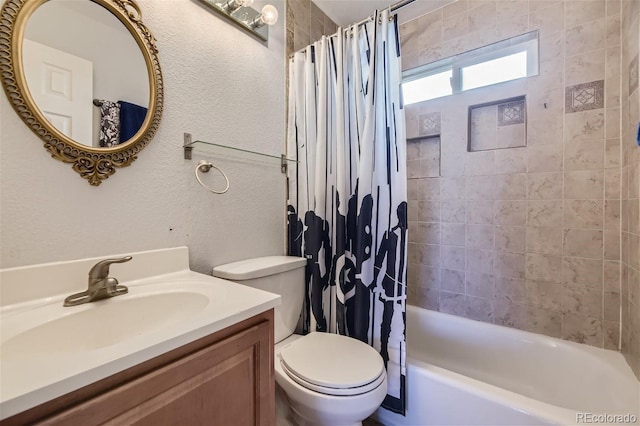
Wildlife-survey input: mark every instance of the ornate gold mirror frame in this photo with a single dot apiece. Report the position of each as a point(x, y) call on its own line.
point(92, 163)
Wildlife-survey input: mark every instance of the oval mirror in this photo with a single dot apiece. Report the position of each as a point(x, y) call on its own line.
point(84, 76)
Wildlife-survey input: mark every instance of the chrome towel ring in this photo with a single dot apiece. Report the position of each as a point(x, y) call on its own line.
point(205, 166)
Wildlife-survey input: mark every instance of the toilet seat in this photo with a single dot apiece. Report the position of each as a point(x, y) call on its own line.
point(332, 364)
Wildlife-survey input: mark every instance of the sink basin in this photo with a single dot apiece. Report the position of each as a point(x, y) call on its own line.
point(104, 323)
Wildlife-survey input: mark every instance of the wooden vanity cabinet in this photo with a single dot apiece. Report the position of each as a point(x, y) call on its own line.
point(226, 379)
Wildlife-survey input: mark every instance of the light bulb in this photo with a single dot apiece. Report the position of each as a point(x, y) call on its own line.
point(269, 14)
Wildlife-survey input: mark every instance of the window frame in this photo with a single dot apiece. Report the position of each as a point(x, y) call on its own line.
point(528, 42)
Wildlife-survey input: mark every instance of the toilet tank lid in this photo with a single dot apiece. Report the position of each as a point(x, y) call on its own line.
point(258, 267)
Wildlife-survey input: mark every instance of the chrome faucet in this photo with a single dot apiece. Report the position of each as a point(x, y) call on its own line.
point(101, 285)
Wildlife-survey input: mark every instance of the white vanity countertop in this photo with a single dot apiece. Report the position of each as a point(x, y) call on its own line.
point(146, 323)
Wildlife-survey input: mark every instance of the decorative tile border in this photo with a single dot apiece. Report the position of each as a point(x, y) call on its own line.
point(633, 75)
point(510, 113)
point(429, 124)
point(584, 97)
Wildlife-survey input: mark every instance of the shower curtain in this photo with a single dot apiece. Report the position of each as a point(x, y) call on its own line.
point(347, 204)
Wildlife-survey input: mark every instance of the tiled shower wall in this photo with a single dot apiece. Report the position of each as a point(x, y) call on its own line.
point(527, 237)
point(630, 96)
point(306, 23)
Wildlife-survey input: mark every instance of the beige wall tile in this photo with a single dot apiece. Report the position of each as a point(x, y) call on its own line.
point(428, 189)
point(453, 257)
point(480, 237)
point(480, 163)
point(544, 186)
point(508, 314)
point(613, 30)
point(482, 16)
point(545, 130)
point(511, 265)
point(480, 212)
point(478, 260)
point(612, 78)
point(582, 11)
point(585, 125)
point(509, 212)
point(454, 8)
point(453, 211)
point(480, 187)
point(511, 289)
point(584, 184)
point(510, 238)
point(510, 187)
point(612, 245)
point(611, 332)
point(452, 188)
point(583, 243)
point(454, 26)
point(543, 294)
point(480, 285)
point(544, 213)
point(586, 68)
point(544, 240)
point(611, 275)
point(584, 155)
point(612, 215)
point(580, 272)
point(582, 329)
point(544, 158)
point(512, 27)
point(452, 280)
point(427, 298)
point(511, 10)
point(582, 301)
point(588, 36)
point(453, 234)
point(512, 160)
point(479, 309)
point(612, 153)
point(453, 303)
point(584, 214)
point(543, 267)
point(543, 321)
point(429, 211)
point(548, 19)
point(612, 184)
point(428, 276)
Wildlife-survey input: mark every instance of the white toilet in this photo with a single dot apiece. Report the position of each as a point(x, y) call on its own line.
point(329, 379)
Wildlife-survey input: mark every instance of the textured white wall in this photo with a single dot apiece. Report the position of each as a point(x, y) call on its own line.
point(220, 85)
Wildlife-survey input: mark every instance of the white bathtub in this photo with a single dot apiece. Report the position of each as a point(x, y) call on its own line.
point(472, 373)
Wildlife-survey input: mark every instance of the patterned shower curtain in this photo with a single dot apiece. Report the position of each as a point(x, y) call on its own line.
point(347, 208)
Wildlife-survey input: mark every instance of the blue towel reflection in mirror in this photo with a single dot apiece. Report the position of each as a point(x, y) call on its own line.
point(131, 118)
point(119, 121)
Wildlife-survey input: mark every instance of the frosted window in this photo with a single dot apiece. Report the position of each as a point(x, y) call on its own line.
point(429, 87)
point(495, 71)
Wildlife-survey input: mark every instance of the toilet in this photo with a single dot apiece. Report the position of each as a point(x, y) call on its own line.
point(328, 379)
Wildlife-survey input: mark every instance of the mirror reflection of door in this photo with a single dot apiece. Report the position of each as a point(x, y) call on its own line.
point(62, 86)
point(88, 30)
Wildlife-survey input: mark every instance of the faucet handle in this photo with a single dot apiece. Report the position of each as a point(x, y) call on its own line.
point(101, 269)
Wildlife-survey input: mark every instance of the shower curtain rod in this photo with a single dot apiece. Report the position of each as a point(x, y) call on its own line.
point(392, 8)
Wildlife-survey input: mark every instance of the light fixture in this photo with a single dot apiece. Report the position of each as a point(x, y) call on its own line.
point(268, 16)
point(232, 5)
point(242, 15)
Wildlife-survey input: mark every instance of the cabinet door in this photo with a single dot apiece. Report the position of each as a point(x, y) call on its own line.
point(227, 383)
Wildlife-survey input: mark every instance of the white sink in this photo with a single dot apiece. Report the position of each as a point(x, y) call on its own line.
point(47, 350)
point(99, 324)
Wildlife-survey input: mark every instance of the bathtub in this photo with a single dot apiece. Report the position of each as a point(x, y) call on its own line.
point(467, 372)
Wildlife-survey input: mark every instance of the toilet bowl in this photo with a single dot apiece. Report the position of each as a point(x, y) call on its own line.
point(328, 379)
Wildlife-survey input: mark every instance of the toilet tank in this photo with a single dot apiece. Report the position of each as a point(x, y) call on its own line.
point(283, 275)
